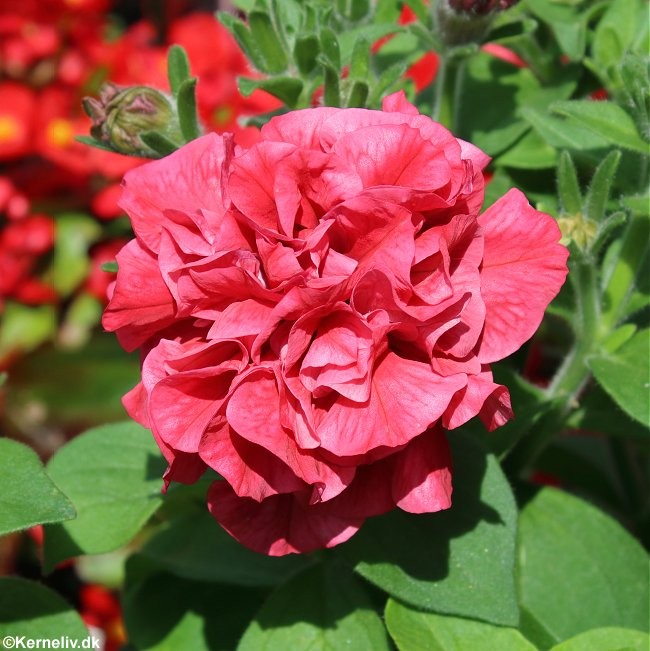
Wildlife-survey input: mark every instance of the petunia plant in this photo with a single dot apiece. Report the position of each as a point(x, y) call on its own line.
point(394, 385)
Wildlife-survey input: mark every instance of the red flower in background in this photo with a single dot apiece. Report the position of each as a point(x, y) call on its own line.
point(98, 280)
point(315, 311)
point(22, 242)
point(17, 113)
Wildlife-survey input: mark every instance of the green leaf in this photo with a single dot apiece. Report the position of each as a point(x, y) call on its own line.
point(566, 22)
point(531, 152)
point(166, 613)
point(404, 47)
point(196, 547)
point(568, 186)
point(110, 267)
point(32, 610)
point(360, 62)
point(605, 119)
point(93, 142)
point(597, 412)
point(353, 10)
point(348, 39)
point(330, 47)
point(606, 639)
point(321, 609)
point(578, 569)
point(413, 630)
point(625, 375)
point(617, 30)
point(305, 51)
point(607, 228)
point(639, 205)
point(268, 42)
point(358, 94)
point(286, 89)
point(288, 17)
point(159, 143)
point(584, 466)
point(623, 272)
point(601, 183)
point(457, 562)
point(244, 5)
point(420, 9)
point(618, 337)
point(503, 92)
point(562, 134)
point(187, 116)
point(244, 39)
point(258, 121)
point(572, 38)
point(29, 496)
point(178, 68)
point(331, 89)
point(74, 235)
point(113, 475)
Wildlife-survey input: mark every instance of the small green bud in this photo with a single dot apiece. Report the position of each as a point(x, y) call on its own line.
point(579, 230)
point(123, 113)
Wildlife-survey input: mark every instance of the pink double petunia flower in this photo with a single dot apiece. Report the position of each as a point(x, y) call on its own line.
point(315, 311)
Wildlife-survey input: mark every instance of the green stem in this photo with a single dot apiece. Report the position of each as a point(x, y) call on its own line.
point(447, 90)
point(572, 375)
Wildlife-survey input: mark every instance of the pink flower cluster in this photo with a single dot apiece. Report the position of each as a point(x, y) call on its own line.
point(316, 310)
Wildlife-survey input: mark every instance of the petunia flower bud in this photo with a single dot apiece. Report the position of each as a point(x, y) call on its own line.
point(461, 22)
point(123, 113)
point(579, 230)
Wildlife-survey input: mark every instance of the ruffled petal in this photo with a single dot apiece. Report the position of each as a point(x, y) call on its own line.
point(280, 524)
point(524, 267)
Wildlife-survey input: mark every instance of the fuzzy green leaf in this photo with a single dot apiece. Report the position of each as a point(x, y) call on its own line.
point(31, 610)
point(159, 143)
point(286, 89)
point(93, 142)
point(113, 476)
point(605, 119)
point(601, 184)
point(625, 375)
point(330, 47)
point(606, 639)
point(321, 609)
point(268, 42)
point(244, 39)
point(562, 134)
point(568, 186)
point(178, 68)
point(187, 115)
point(414, 630)
point(164, 613)
point(305, 51)
point(578, 569)
point(29, 496)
